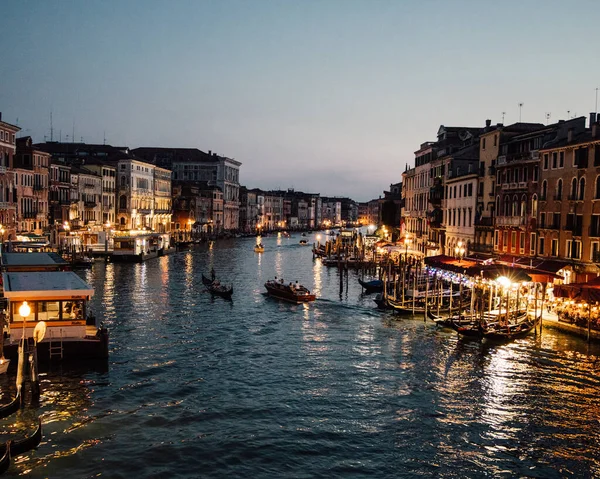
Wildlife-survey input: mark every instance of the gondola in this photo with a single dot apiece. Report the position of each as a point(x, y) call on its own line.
point(303, 242)
point(512, 331)
point(373, 286)
point(5, 459)
point(472, 330)
point(11, 408)
point(214, 287)
point(24, 445)
point(449, 320)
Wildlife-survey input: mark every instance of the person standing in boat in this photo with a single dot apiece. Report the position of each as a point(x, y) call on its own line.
point(212, 274)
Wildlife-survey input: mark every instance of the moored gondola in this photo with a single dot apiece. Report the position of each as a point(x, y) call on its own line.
point(5, 459)
point(27, 444)
point(512, 331)
point(373, 286)
point(11, 408)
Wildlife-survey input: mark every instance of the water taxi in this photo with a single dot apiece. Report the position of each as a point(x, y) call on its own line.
point(293, 293)
point(259, 248)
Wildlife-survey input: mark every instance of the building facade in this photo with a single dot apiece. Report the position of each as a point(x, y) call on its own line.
point(8, 194)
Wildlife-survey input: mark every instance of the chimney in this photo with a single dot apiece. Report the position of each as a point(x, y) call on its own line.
point(595, 127)
point(488, 123)
point(209, 152)
point(592, 119)
point(0, 116)
point(569, 135)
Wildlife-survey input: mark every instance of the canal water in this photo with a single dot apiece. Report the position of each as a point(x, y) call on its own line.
point(201, 387)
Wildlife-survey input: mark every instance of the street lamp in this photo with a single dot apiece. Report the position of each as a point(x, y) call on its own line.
point(460, 251)
point(407, 241)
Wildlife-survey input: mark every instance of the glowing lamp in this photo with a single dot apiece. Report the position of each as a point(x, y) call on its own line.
point(24, 310)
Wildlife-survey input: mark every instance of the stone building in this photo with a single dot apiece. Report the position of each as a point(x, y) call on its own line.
point(8, 194)
point(569, 203)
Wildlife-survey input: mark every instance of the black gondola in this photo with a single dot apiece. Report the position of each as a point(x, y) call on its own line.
point(214, 287)
point(24, 445)
point(374, 286)
point(512, 331)
point(5, 459)
point(11, 408)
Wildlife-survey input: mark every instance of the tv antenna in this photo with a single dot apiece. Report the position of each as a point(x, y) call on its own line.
point(520, 108)
point(51, 128)
point(596, 109)
point(548, 114)
point(503, 113)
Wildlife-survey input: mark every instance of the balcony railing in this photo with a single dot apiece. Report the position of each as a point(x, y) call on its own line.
point(510, 220)
point(29, 214)
point(481, 248)
point(575, 229)
point(484, 222)
point(89, 204)
point(2, 170)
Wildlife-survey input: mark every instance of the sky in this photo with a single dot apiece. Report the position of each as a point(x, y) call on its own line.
point(329, 96)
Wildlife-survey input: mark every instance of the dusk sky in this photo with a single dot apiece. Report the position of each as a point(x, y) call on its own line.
point(321, 96)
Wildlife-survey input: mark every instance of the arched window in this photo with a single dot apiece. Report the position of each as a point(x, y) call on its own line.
point(534, 205)
point(559, 189)
point(515, 206)
point(581, 188)
point(544, 189)
point(573, 194)
point(523, 205)
point(122, 221)
point(598, 187)
point(506, 200)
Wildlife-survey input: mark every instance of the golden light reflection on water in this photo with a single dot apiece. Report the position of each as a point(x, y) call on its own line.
point(317, 272)
point(189, 270)
point(164, 272)
point(279, 263)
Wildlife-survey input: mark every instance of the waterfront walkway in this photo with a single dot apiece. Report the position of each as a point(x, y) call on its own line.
point(550, 320)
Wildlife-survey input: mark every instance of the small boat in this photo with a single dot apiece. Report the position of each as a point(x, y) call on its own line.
point(303, 242)
point(11, 408)
point(449, 320)
point(215, 287)
point(259, 248)
point(291, 293)
point(27, 444)
point(512, 331)
point(5, 459)
point(373, 286)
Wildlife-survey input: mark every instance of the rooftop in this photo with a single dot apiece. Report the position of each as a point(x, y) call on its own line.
point(44, 284)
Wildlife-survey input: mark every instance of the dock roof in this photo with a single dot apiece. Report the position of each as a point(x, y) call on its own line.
point(34, 285)
point(32, 259)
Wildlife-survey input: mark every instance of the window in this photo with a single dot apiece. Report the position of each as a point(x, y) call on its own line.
point(542, 220)
point(513, 242)
point(535, 174)
point(573, 194)
point(496, 238)
point(581, 188)
point(554, 247)
point(470, 189)
point(544, 190)
point(495, 140)
point(594, 249)
point(558, 195)
point(522, 243)
point(541, 247)
point(554, 160)
point(483, 144)
point(504, 240)
point(546, 161)
point(568, 249)
point(561, 159)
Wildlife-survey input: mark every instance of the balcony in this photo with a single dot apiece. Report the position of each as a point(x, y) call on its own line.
point(575, 229)
point(510, 220)
point(38, 187)
point(489, 222)
point(502, 160)
point(574, 198)
point(89, 204)
point(2, 170)
point(29, 214)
